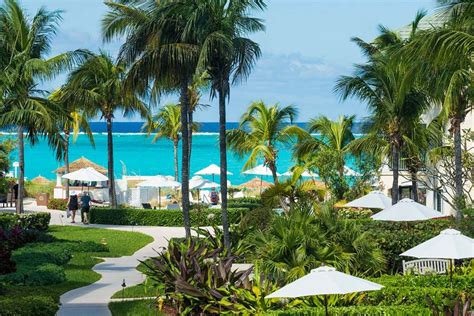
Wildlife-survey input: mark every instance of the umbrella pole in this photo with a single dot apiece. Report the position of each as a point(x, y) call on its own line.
point(451, 272)
point(159, 198)
point(326, 305)
point(261, 185)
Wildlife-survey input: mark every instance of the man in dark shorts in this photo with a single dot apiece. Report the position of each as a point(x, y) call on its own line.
point(85, 207)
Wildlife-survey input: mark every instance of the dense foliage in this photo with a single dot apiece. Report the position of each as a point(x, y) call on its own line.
point(142, 217)
point(37, 221)
point(57, 204)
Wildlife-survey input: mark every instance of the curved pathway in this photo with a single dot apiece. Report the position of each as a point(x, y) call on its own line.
point(94, 298)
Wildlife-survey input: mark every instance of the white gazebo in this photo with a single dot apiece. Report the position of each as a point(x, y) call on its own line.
point(325, 281)
point(372, 200)
point(407, 210)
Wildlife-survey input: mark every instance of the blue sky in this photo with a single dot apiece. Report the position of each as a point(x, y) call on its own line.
point(306, 47)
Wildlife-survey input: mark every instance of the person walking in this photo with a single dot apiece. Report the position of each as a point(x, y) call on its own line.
point(85, 207)
point(73, 206)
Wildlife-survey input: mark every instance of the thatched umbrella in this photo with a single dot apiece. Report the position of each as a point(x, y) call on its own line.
point(255, 184)
point(81, 163)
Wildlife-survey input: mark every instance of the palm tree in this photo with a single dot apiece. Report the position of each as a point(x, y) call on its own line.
point(23, 64)
point(167, 123)
point(99, 86)
point(445, 53)
point(261, 130)
point(396, 105)
point(73, 119)
point(161, 59)
point(335, 136)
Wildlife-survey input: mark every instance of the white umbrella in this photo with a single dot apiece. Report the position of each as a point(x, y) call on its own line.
point(449, 244)
point(86, 175)
point(349, 172)
point(325, 281)
point(305, 174)
point(211, 170)
point(260, 170)
point(201, 183)
point(374, 199)
point(407, 210)
point(159, 182)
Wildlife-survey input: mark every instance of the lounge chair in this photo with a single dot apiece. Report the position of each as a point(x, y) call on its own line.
point(147, 206)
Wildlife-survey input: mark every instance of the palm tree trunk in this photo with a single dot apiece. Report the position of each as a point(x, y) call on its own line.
point(414, 184)
point(272, 166)
point(110, 165)
point(458, 166)
point(66, 159)
point(21, 174)
point(185, 157)
point(176, 169)
point(223, 166)
point(190, 134)
point(395, 168)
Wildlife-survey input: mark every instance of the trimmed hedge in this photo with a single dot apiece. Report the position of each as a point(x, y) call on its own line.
point(250, 203)
point(356, 310)
point(27, 306)
point(44, 274)
point(57, 204)
point(37, 221)
point(142, 217)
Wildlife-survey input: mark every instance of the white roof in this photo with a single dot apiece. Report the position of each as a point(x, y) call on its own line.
point(406, 210)
point(325, 281)
point(159, 182)
point(260, 170)
point(211, 170)
point(86, 175)
point(374, 199)
point(449, 244)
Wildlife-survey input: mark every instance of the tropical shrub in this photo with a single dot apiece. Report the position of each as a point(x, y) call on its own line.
point(198, 278)
point(34, 188)
point(43, 274)
point(57, 204)
point(259, 218)
point(142, 217)
point(28, 305)
point(351, 213)
point(246, 202)
point(38, 221)
point(302, 240)
point(356, 311)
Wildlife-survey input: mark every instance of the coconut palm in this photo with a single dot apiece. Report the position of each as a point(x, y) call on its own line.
point(167, 123)
point(445, 53)
point(23, 64)
point(73, 119)
point(99, 86)
point(161, 60)
point(262, 128)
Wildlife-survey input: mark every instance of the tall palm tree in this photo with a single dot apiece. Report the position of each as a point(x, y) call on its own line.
point(161, 60)
point(99, 86)
point(335, 136)
point(23, 64)
point(262, 128)
point(445, 53)
point(396, 104)
point(73, 119)
point(167, 123)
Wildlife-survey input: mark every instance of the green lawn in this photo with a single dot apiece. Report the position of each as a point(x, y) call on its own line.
point(141, 308)
point(78, 269)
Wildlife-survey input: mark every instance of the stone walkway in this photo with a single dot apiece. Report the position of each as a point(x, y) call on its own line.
point(94, 298)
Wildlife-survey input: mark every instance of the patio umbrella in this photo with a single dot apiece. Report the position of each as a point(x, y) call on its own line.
point(374, 199)
point(449, 244)
point(261, 171)
point(407, 210)
point(199, 183)
point(159, 182)
point(211, 170)
point(86, 175)
point(325, 281)
point(305, 174)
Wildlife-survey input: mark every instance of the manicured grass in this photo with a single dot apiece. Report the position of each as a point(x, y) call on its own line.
point(142, 308)
point(78, 269)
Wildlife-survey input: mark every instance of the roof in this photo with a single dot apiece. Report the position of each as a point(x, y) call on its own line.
point(435, 20)
point(41, 179)
point(255, 183)
point(80, 164)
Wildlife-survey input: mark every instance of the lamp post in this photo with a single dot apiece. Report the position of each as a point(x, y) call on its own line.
point(123, 290)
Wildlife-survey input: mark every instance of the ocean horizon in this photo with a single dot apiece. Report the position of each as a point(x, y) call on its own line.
point(135, 154)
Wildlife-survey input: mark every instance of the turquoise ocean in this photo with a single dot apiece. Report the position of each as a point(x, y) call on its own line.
point(135, 154)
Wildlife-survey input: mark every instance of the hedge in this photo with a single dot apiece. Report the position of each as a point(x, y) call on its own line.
point(27, 306)
point(356, 310)
point(250, 203)
point(142, 217)
point(37, 221)
point(57, 204)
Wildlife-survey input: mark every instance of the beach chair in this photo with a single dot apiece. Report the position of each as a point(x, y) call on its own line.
point(147, 206)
